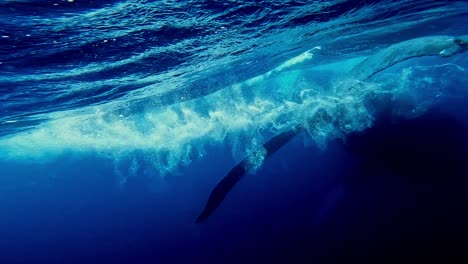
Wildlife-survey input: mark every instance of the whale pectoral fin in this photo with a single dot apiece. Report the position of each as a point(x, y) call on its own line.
point(235, 174)
point(221, 190)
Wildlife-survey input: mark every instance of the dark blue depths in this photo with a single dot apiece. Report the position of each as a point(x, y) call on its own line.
point(355, 201)
point(395, 193)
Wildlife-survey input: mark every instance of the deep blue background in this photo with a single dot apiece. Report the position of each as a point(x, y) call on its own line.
point(303, 206)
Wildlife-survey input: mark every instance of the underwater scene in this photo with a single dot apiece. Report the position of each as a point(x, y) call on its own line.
point(146, 131)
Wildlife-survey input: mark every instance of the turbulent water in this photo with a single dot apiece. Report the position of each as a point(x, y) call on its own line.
point(169, 78)
point(152, 87)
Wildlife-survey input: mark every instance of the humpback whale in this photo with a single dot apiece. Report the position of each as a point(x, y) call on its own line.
point(425, 46)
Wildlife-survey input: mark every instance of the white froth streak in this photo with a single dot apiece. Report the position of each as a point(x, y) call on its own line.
point(179, 130)
point(172, 128)
point(170, 134)
point(173, 138)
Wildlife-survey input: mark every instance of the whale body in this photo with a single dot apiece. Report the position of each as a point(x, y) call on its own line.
point(425, 46)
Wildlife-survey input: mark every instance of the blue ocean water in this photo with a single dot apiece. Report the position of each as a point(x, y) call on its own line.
point(117, 118)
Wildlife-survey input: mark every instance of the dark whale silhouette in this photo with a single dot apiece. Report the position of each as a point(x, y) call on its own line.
point(431, 146)
point(426, 46)
point(235, 174)
point(405, 195)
